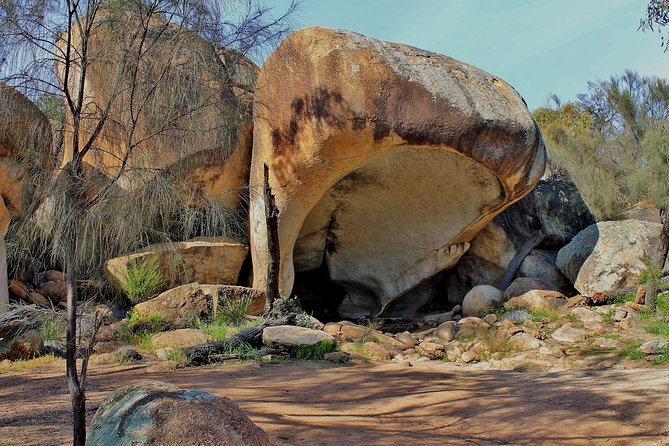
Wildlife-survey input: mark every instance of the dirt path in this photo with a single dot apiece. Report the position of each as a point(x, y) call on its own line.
point(430, 404)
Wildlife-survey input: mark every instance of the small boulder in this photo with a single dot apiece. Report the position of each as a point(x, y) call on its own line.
point(184, 337)
point(185, 301)
point(516, 316)
point(525, 341)
point(406, 339)
point(538, 300)
point(430, 350)
point(654, 347)
point(626, 318)
point(287, 336)
point(347, 331)
point(480, 299)
point(446, 331)
point(522, 285)
point(155, 413)
point(586, 315)
point(127, 354)
point(569, 334)
point(56, 290)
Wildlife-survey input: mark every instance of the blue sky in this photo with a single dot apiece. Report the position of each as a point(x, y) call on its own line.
point(538, 46)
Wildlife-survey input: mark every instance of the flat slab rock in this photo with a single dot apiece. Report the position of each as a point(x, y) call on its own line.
point(286, 336)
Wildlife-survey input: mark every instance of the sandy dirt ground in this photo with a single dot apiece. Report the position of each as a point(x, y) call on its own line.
point(385, 404)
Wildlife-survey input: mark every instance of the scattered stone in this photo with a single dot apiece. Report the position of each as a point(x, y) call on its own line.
point(490, 319)
point(480, 299)
point(348, 331)
point(525, 341)
point(606, 343)
point(586, 315)
point(469, 356)
point(406, 339)
point(522, 285)
point(538, 300)
point(105, 346)
point(376, 352)
point(446, 331)
point(654, 347)
point(109, 333)
point(287, 336)
point(127, 354)
point(154, 413)
point(626, 318)
point(569, 334)
point(517, 316)
point(635, 306)
point(184, 337)
point(430, 350)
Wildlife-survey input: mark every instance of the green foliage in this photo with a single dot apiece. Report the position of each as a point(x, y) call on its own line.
point(659, 326)
point(217, 331)
point(233, 311)
point(652, 275)
point(622, 298)
point(656, 19)
point(143, 280)
point(52, 327)
point(314, 352)
point(613, 142)
point(538, 315)
point(291, 306)
point(633, 353)
point(135, 319)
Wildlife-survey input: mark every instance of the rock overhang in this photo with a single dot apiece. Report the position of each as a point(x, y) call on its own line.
point(334, 109)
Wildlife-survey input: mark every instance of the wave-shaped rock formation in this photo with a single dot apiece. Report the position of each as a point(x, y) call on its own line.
point(386, 160)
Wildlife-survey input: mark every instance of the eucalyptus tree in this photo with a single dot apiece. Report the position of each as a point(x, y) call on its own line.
point(114, 177)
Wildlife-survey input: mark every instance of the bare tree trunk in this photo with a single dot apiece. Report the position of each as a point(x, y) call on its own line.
point(77, 393)
point(664, 239)
point(274, 257)
point(527, 247)
point(4, 291)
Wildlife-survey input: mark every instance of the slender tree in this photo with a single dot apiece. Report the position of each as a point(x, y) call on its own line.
point(115, 175)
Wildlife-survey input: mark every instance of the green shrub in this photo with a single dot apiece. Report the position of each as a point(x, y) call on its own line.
point(314, 352)
point(233, 311)
point(652, 275)
point(52, 327)
point(143, 280)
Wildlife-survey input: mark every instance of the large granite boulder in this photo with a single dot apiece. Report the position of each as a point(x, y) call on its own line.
point(188, 115)
point(610, 255)
point(385, 160)
point(160, 414)
point(206, 260)
point(24, 130)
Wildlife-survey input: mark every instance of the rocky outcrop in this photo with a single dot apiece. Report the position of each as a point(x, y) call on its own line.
point(188, 115)
point(385, 160)
point(155, 413)
point(554, 209)
point(196, 300)
point(24, 130)
point(211, 260)
point(609, 255)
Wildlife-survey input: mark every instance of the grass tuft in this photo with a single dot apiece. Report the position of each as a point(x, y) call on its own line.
point(314, 352)
point(143, 280)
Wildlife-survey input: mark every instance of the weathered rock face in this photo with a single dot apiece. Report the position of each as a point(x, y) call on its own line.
point(555, 209)
point(385, 160)
point(191, 103)
point(212, 260)
point(196, 300)
point(609, 255)
point(155, 413)
point(184, 337)
point(24, 129)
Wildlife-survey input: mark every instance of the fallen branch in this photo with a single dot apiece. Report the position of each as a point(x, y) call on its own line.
point(206, 353)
